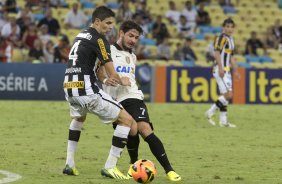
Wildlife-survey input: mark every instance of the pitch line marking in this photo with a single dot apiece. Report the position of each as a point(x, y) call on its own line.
point(10, 177)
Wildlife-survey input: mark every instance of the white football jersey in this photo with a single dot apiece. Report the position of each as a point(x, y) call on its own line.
point(124, 63)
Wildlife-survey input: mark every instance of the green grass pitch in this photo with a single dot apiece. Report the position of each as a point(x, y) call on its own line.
point(33, 136)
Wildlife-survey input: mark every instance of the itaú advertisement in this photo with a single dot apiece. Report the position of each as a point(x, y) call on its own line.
point(264, 86)
point(190, 85)
point(196, 84)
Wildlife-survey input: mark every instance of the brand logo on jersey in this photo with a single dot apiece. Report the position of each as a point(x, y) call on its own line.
point(76, 84)
point(103, 49)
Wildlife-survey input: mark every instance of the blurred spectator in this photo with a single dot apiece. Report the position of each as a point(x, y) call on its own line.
point(227, 2)
point(277, 29)
point(30, 36)
point(183, 28)
point(75, 18)
point(163, 51)
point(178, 55)
point(124, 12)
point(49, 52)
point(43, 35)
point(144, 25)
point(142, 10)
point(52, 23)
point(253, 44)
point(33, 2)
point(5, 51)
point(36, 54)
point(270, 40)
point(61, 51)
point(142, 52)
point(23, 23)
point(58, 3)
point(190, 14)
point(197, 2)
point(203, 17)
point(227, 6)
point(172, 14)
point(210, 53)
point(4, 18)
point(10, 6)
point(10, 27)
point(188, 53)
point(25, 12)
point(160, 30)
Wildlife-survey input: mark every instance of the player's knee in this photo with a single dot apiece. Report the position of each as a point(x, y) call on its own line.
point(80, 119)
point(133, 129)
point(229, 96)
point(125, 119)
point(144, 129)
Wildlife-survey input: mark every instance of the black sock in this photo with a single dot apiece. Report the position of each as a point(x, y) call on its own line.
point(158, 150)
point(132, 147)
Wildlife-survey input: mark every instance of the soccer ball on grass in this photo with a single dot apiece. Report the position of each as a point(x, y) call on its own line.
point(143, 171)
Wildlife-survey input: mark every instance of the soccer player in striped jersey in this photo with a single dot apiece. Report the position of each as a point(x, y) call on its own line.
point(132, 99)
point(90, 51)
point(224, 48)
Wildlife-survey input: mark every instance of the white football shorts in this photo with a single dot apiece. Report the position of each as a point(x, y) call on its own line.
point(100, 104)
point(225, 83)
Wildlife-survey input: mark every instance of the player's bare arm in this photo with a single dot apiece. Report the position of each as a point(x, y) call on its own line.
point(102, 76)
point(111, 72)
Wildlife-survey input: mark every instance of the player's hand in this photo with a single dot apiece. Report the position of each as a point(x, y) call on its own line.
point(221, 73)
point(125, 81)
point(111, 82)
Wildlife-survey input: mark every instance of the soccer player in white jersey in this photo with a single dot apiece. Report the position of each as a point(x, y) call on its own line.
point(132, 99)
point(90, 51)
point(224, 60)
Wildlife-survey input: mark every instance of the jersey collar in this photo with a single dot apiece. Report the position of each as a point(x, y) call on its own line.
point(119, 48)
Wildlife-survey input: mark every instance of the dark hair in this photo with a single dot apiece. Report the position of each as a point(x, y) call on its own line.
point(102, 12)
point(228, 21)
point(128, 25)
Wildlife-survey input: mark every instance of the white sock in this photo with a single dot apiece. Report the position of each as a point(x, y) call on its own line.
point(115, 152)
point(223, 117)
point(74, 125)
point(70, 153)
point(213, 109)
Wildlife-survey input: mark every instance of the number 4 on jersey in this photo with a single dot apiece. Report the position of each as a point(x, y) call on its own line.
point(73, 52)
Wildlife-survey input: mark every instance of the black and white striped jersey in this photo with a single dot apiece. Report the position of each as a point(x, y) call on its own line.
point(89, 51)
point(225, 45)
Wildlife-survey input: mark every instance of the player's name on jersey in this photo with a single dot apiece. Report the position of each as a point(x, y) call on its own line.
point(76, 84)
point(73, 70)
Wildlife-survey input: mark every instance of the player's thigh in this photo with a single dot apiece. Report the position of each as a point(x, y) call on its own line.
point(126, 119)
point(102, 105)
point(224, 84)
point(76, 110)
point(137, 109)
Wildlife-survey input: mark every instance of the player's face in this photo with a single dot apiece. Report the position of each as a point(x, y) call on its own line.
point(228, 29)
point(130, 38)
point(106, 25)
